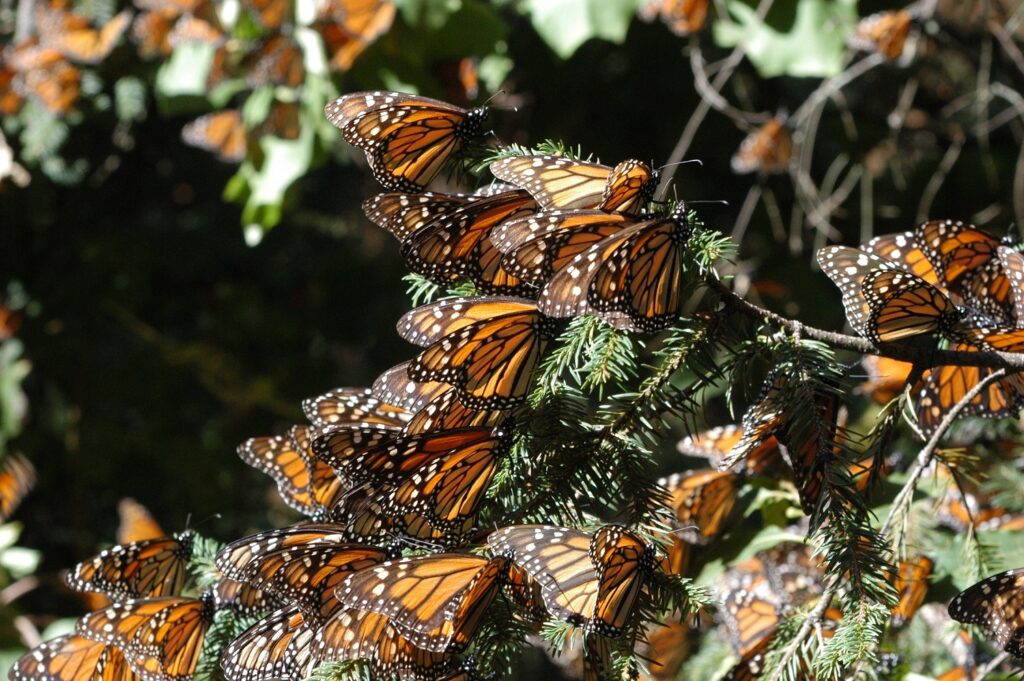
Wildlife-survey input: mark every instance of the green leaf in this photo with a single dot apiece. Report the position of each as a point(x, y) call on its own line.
point(566, 24)
point(428, 14)
point(13, 402)
point(812, 46)
point(263, 189)
point(184, 74)
point(130, 99)
point(19, 561)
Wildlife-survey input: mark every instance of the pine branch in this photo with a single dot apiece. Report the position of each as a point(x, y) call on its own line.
point(922, 357)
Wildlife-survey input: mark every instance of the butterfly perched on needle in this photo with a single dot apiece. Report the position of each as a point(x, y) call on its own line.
point(632, 279)
point(72, 658)
point(537, 246)
point(996, 604)
point(486, 348)
point(557, 182)
point(152, 567)
point(589, 580)
point(279, 646)
point(883, 301)
point(437, 602)
point(17, 478)
point(446, 237)
point(408, 139)
point(885, 33)
point(161, 637)
point(766, 150)
point(968, 263)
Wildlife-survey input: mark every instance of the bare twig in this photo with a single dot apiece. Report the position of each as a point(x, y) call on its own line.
point(697, 118)
point(924, 457)
point(992, 665)
point(709, 94)
point(1006, 42)
point(923, 357)
point(23, 26)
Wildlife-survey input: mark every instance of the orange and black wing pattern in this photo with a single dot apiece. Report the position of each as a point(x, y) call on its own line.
point(995, 604)
point(153, 567)
point(407, 139)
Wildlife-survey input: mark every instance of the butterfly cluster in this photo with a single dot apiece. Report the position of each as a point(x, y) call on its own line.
point(948, 278)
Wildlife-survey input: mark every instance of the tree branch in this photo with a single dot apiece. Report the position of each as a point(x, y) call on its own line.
point(923, 357)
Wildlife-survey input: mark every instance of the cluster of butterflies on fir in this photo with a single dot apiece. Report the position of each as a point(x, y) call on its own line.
point(403, 558)
point(257, 48)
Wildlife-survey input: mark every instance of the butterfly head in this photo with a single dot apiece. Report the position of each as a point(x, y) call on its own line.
point(472, 125)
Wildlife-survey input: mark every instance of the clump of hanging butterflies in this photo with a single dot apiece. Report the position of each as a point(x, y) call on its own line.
point(406, 465)
point(398, 568)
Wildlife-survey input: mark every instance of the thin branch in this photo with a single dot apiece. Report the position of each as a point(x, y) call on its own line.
point(924, 457)
point(992, 665)
point(809, 624)
point(1006, 42)
point(697, 118)
point(923, 357)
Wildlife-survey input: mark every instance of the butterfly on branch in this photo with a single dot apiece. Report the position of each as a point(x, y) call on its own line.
point(589, 580)
point(766, 150)
point(486, 348)
point(408, 139)
point(632, 279)
point(885, 302)
point(885, 33)
point(153, 567)
point(557, 182)
point(996, 604)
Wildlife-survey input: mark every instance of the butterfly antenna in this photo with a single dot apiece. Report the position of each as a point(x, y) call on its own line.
point(494, 96)
point(682, 163)
point(721, 202)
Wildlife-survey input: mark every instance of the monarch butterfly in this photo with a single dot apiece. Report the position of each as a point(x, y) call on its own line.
point(591, 581)
point(559, 182)
point(154, 567)
point(1013, 265)
point(538, 246)
point(455, 243)
point(682, 17)
point(313, 491)
point(884, 32)
point(72, 658)
point(352, 634)
point(944, 386)
point(136, 523)
point(352, 406)
point(811, 450)
point(395, 387)
point(17, 478)
point(278, 61)
point(304, 575)
point(902, 249)
point(996, 604)
point(73, 36)
point(242, 599)
point(280, 646)
point(632, 279)
point(349, 27)
point(402, 215)
point(486, 348)
point(704, 498)
point(716, 444)
point(968, 264)
point(751, 611)
point(446, 412)
point(382, 456)
point(883, 301)
point(794, 573)
point(437, 602)
point(221, 132)
point(43, 74)
point(239, 559)
point(407, 139)
point(761, 422)
point(269, 13)
point(160, 637)
point(766, 150)
point(912, 587)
